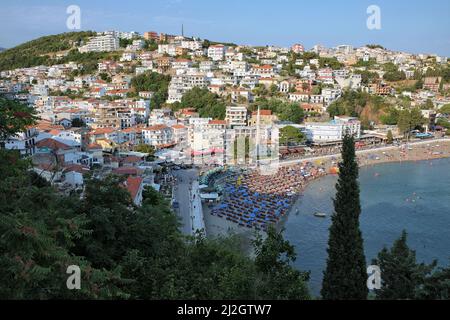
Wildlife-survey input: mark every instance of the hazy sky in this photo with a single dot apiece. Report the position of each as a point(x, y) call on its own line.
point(410, 25)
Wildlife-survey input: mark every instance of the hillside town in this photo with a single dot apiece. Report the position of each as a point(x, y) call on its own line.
point(158, 100)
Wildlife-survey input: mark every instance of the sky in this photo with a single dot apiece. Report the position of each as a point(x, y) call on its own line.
point(406, 25)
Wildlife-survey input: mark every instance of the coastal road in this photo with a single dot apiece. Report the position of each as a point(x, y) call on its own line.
point(182, 195)
point(295, 161)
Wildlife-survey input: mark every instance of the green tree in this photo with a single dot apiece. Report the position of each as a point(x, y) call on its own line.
point(145, 148)
point(291, 134)
point(391, 117)
point(207, 104)
point(154, 82)
point(285, 111)
point(445, 109)
point(78, 123)
point(436, 286)
point(345, 275)
point(274, 258)
point(410, 119)
point(14, 117)
point(400, 273)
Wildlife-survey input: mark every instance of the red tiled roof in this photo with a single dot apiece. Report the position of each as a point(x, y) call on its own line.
point(103, 131)
point(132, 171)
point(131, 159)
point(94, 146)
point(54, 132)
point(156, 127)
point(52, 144)
point(262, 113)
point(76, 167)
point(218, 122)
point(133, 185)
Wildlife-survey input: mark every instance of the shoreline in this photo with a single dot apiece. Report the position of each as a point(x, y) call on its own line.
point(420, 151)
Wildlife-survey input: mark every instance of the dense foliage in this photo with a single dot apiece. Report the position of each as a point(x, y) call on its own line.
point(345, 276)
point(403, 278)
point(36, 52)
point(286, 111)
point(352, 103)
point(13, 117)
point(124, 251)
point(154, 82)
point(291, 135)
point(410, 119)
point(207, 104)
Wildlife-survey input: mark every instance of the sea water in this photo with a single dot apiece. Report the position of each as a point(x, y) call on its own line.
point(411, 196)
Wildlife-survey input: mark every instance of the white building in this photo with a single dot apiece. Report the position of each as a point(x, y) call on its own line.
point(334, 130)
point(236, 115)
point(180, 84)
point(102, 43)
point(24, 142)
point(169, 49)
point(157, 135)
point(216, 52)
point(191, 44)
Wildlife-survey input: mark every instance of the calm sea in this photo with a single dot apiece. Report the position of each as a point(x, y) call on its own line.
point(414, 196)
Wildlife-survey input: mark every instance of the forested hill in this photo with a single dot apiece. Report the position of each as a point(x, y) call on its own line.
point(40, 51)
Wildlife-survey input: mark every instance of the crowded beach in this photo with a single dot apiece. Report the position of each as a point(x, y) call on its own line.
point(251, 200)
point(255, 201)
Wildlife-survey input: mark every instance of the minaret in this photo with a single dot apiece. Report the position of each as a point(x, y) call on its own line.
point(258, 134)
point(182, 30)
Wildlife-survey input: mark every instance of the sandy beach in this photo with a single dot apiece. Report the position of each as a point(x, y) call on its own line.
point(418, 151)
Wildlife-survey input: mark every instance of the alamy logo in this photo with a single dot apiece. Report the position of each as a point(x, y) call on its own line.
point(374, 20)
point(73, 21)
point(74, 280)
point(374, 279)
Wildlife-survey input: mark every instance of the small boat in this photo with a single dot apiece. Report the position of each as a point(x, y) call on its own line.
point(320, 215)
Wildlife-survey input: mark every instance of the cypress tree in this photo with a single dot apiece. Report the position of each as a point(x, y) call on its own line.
point(345, 277)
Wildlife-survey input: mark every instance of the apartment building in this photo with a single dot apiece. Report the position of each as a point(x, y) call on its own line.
point(158, 135)
point(217, 52)
point(101, 43)
point(24, 142)
point(180, 84)
point(334, 130)
point(192, 45)
point(236, 115)
point(169, 49)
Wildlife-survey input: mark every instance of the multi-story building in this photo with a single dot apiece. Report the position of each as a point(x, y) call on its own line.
point(180, 84)
point(101, 43)
point(334, 130)
point(217, 52)
point(264, 71)
point(180, 135)
point(325, 76)
point(24, 142)
point(151, 35)
point(432, 83)
point(169, 49)
point(236, 115)
point(298, 48)
point(158, 135)
point(192, 45)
